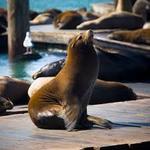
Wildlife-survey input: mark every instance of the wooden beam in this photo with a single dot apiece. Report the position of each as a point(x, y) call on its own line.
point(18, 25)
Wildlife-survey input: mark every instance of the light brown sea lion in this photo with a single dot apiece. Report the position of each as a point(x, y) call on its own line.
point(44, 18)
point(14, 89)
point(62, 103)
point(5, 104)
point(114, 20)
point(103, 92)
point(141, 36)
point(67, 20)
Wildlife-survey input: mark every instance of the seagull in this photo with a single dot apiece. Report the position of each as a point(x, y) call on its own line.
point(28, 43)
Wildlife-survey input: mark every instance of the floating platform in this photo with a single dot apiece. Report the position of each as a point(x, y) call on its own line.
point(48, 34)
point(17, 132)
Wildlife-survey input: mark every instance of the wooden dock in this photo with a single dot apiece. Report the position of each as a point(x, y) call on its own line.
point(48, 34)
point(17, 132)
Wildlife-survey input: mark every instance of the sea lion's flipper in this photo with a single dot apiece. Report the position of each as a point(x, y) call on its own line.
point(103, 123)
point(71, 116)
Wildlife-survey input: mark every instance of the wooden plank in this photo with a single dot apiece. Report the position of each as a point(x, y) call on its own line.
point(18, 132)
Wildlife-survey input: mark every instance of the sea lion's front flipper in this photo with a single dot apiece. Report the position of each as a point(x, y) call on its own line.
point(71, 117)
point(71, 113)
point(103, 123)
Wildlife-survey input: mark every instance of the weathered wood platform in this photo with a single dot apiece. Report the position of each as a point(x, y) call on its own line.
point(17, 132)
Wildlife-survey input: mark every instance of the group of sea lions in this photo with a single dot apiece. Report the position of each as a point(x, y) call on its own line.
point(60, 102)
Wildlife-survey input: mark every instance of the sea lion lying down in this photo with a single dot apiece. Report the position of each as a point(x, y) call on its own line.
point(62, 103)
point(5, 104)
point(103, 92)
point(141, 36)
point(113, 66)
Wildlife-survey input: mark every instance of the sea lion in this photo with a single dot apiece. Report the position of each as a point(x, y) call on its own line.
point(2, 29)
point(142, 8)
point(67, 20)
point(114, 66)
point(5, 104)
point(14, 89)
point(140, 36)
point(51, 69)
point(114, 20)
point(123, 5)
point(44, 18)
point(62, 103)
point(103, 92)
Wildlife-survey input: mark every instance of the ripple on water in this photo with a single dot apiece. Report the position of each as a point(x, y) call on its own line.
point(24, 69)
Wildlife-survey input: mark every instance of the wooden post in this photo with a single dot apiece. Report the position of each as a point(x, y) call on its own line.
point(18, 25)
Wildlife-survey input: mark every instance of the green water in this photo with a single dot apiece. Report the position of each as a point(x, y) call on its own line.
point(24, 69)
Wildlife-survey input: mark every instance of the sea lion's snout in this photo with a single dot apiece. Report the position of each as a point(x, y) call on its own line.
point(88, 36)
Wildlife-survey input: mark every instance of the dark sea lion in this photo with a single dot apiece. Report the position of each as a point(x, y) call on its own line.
point(51, 69)
point(114, 66)
point(14, 89)
point(4, 40)
point(142, 8)
point(114, 20)
point(3, 21)
point(67, 20)
point(109, 91)
point(62, 103)
point(5, 104)
point(123, 66)
point(2, 29)
point(140, 36)
point(103, 92)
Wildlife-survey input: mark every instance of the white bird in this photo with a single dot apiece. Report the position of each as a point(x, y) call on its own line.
point(28, 43)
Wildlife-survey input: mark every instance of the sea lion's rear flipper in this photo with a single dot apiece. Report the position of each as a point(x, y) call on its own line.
point(103, 123)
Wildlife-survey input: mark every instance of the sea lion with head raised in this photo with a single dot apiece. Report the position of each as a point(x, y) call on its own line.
point(62, 103)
